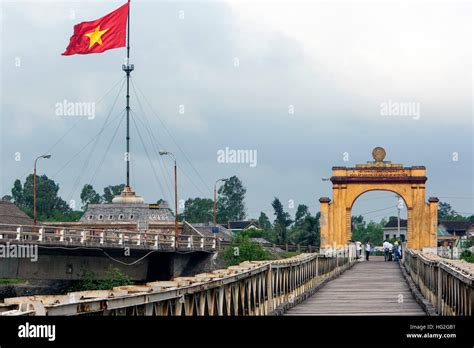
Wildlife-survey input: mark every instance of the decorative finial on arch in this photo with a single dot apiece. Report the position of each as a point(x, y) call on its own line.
point(378, 154)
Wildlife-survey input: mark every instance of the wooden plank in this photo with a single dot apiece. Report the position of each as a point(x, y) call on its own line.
point(368, 288)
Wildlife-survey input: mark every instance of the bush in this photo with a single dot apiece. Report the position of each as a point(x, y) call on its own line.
point(467, 256)
point(89, 281)
point(243, 249)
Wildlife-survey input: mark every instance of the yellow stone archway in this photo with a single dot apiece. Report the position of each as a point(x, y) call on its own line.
point(350, 183)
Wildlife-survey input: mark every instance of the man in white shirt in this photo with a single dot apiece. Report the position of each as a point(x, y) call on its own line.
point(367, 250)
point(386, 250)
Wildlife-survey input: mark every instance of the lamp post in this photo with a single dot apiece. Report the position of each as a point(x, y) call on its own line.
point(167, 153)
point(34, 186)
point(215, 206)
point(399, 207)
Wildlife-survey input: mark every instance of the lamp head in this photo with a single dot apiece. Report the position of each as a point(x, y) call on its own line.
point(47, 156)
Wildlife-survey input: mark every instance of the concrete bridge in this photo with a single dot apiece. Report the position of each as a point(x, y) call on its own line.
point(422, 284)
point(63, 253)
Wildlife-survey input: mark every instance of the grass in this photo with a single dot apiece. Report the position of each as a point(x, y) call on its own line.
point(12, 281)
point(288, 254)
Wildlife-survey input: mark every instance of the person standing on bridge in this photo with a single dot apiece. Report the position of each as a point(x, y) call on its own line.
point(367, 250)
point(396, 251)
point(358, 249)
point(386, 250)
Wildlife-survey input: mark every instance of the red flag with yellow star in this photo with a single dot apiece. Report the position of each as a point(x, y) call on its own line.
point(100, 35)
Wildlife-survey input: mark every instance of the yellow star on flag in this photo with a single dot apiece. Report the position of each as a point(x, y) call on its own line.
point(96, 36)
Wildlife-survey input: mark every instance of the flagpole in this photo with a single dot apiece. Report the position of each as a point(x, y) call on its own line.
point(128, 68)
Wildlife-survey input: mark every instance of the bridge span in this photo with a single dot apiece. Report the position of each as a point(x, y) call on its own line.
point(304, 284)
point(368, 288)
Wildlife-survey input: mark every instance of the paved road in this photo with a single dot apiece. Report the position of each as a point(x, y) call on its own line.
point(368, 288)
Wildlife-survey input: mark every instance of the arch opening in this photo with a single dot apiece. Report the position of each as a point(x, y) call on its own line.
point(379, 215)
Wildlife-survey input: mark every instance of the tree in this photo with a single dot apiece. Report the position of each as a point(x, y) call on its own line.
point(7, 198)
point(357, 220)
point(281, 223)
point(282, 217)
point(301, 212)
point(89, 196)
point(372, 231)
point(281, 233)
point(231, 201)
point(264, 221)
point(445, 211)
point(307, 231)
point(48, 204)
point(111, 191)
point(17, 193)
point(199, 210)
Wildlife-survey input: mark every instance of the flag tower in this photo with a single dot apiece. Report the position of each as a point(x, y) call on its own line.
point(108, 32)
point(128, 195)
point(128, 68)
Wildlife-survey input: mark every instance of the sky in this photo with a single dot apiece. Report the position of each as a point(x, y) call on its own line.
point(298, 86)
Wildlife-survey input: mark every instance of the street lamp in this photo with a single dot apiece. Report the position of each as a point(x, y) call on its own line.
point(34, 187)
point(399, 207)
point(167, 153)
point(215, 206)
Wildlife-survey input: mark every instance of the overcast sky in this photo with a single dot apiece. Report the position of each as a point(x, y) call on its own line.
point(302, 84)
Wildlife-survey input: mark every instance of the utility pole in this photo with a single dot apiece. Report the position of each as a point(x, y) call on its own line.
point(34, 186)
point(399, 207)
point(167, 153)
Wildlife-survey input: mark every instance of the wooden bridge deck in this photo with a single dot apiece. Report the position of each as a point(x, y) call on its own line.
point(368, 288)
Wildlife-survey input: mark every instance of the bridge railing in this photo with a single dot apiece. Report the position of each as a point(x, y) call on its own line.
point(162, 239)
point(446, 285)
point(250, 288)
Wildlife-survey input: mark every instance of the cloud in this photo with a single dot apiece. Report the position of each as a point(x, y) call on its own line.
point(334, 64)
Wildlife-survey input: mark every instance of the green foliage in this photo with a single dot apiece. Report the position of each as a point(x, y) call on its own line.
point(243, 249)
point(468, 243)
point(306, 231)
point(253, 233)
point(89, 196)
point(372, 231)
point(49, 205)
point(7, 198)
point(288, 254)
point(467, 256)
point(111, 191)
point(231, 201)
point(264, 221)
point(199, 210)
point(281, 217)
point(12, 281)
point(301, 213)
point(357, 220)
point(447, 213)
point(89, 281)
point(68, 216)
